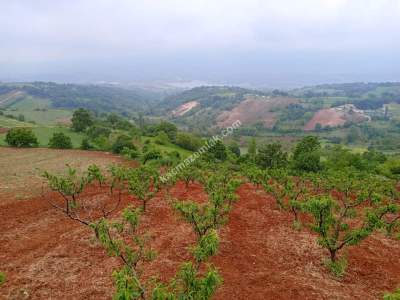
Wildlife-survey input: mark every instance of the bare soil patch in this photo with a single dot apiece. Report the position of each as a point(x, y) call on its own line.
point(184, 108)
point(255, 109)
point(64, 121)
point(326, 117)
point(336, 116)
point(47, 256)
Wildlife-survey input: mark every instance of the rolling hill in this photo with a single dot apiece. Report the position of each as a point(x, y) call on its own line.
point(71, 96)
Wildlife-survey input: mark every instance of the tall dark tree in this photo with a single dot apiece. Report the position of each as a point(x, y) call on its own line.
point(271, 156)
point(81, 119)
point(219, 151)
point(306, 155)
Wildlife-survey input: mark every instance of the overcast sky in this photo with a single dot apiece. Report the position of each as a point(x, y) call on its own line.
point(280, 42)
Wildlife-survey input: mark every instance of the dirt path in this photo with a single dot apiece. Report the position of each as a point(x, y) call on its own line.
point(47, 256)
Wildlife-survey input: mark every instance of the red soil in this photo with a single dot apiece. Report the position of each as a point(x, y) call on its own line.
point(4, 130)
point(255, 109)
point(47, 256)
point(326, 117)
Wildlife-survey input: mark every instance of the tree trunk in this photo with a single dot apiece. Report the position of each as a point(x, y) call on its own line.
point(333, 255)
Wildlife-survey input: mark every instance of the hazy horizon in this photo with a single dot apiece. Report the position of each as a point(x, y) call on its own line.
point(260, 43)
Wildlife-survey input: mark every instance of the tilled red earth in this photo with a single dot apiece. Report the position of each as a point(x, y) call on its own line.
point(46, 256)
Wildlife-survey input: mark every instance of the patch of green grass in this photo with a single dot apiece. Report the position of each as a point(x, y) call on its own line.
point(10, 123)
point(394, 110)
point(44, 134)
point(30, 103)
point(37, 110)
point(48, 117)
point(168, 147)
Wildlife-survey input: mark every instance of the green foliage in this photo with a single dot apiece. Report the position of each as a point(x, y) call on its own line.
point(218, 151)
point(130, 153)
point(161, 138)
point(69, 187)
point(188, 141)
point(206, 247)
point(189, 284)
point(122, 141)
point(392, 296)
point(306, 155)
point(81, 119)
point(144, 183)
point(151, 154)
point(199, 216)
point(60, 140)
point(169, 129)
point(21, 118)
point(234, 148)
point(338, 267)
point(133, 252)
point(85, 145)
point(95, 174)
point(116, 121)
point(96, 131)
point(21, 137)
point(271, 156)
point(3, 278)
point(332, 220)
point(119, 176)
point(252, 149)
point(190, 174)
point(221, 189)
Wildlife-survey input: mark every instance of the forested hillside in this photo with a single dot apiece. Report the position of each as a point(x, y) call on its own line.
point(71, 96)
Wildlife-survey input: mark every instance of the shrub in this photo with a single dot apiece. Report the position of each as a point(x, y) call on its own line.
point(122, 141)
point(60, 140)
point(161, 138)
point(218, 151)
point(188, 141)
point(96, 131)
point(151, 154)
point(85, 145)
point(234, 148)
point(130, 153)
point(168, 128)
point(21, 137)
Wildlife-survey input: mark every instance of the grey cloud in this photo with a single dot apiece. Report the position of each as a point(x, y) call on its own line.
point(177, 38)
